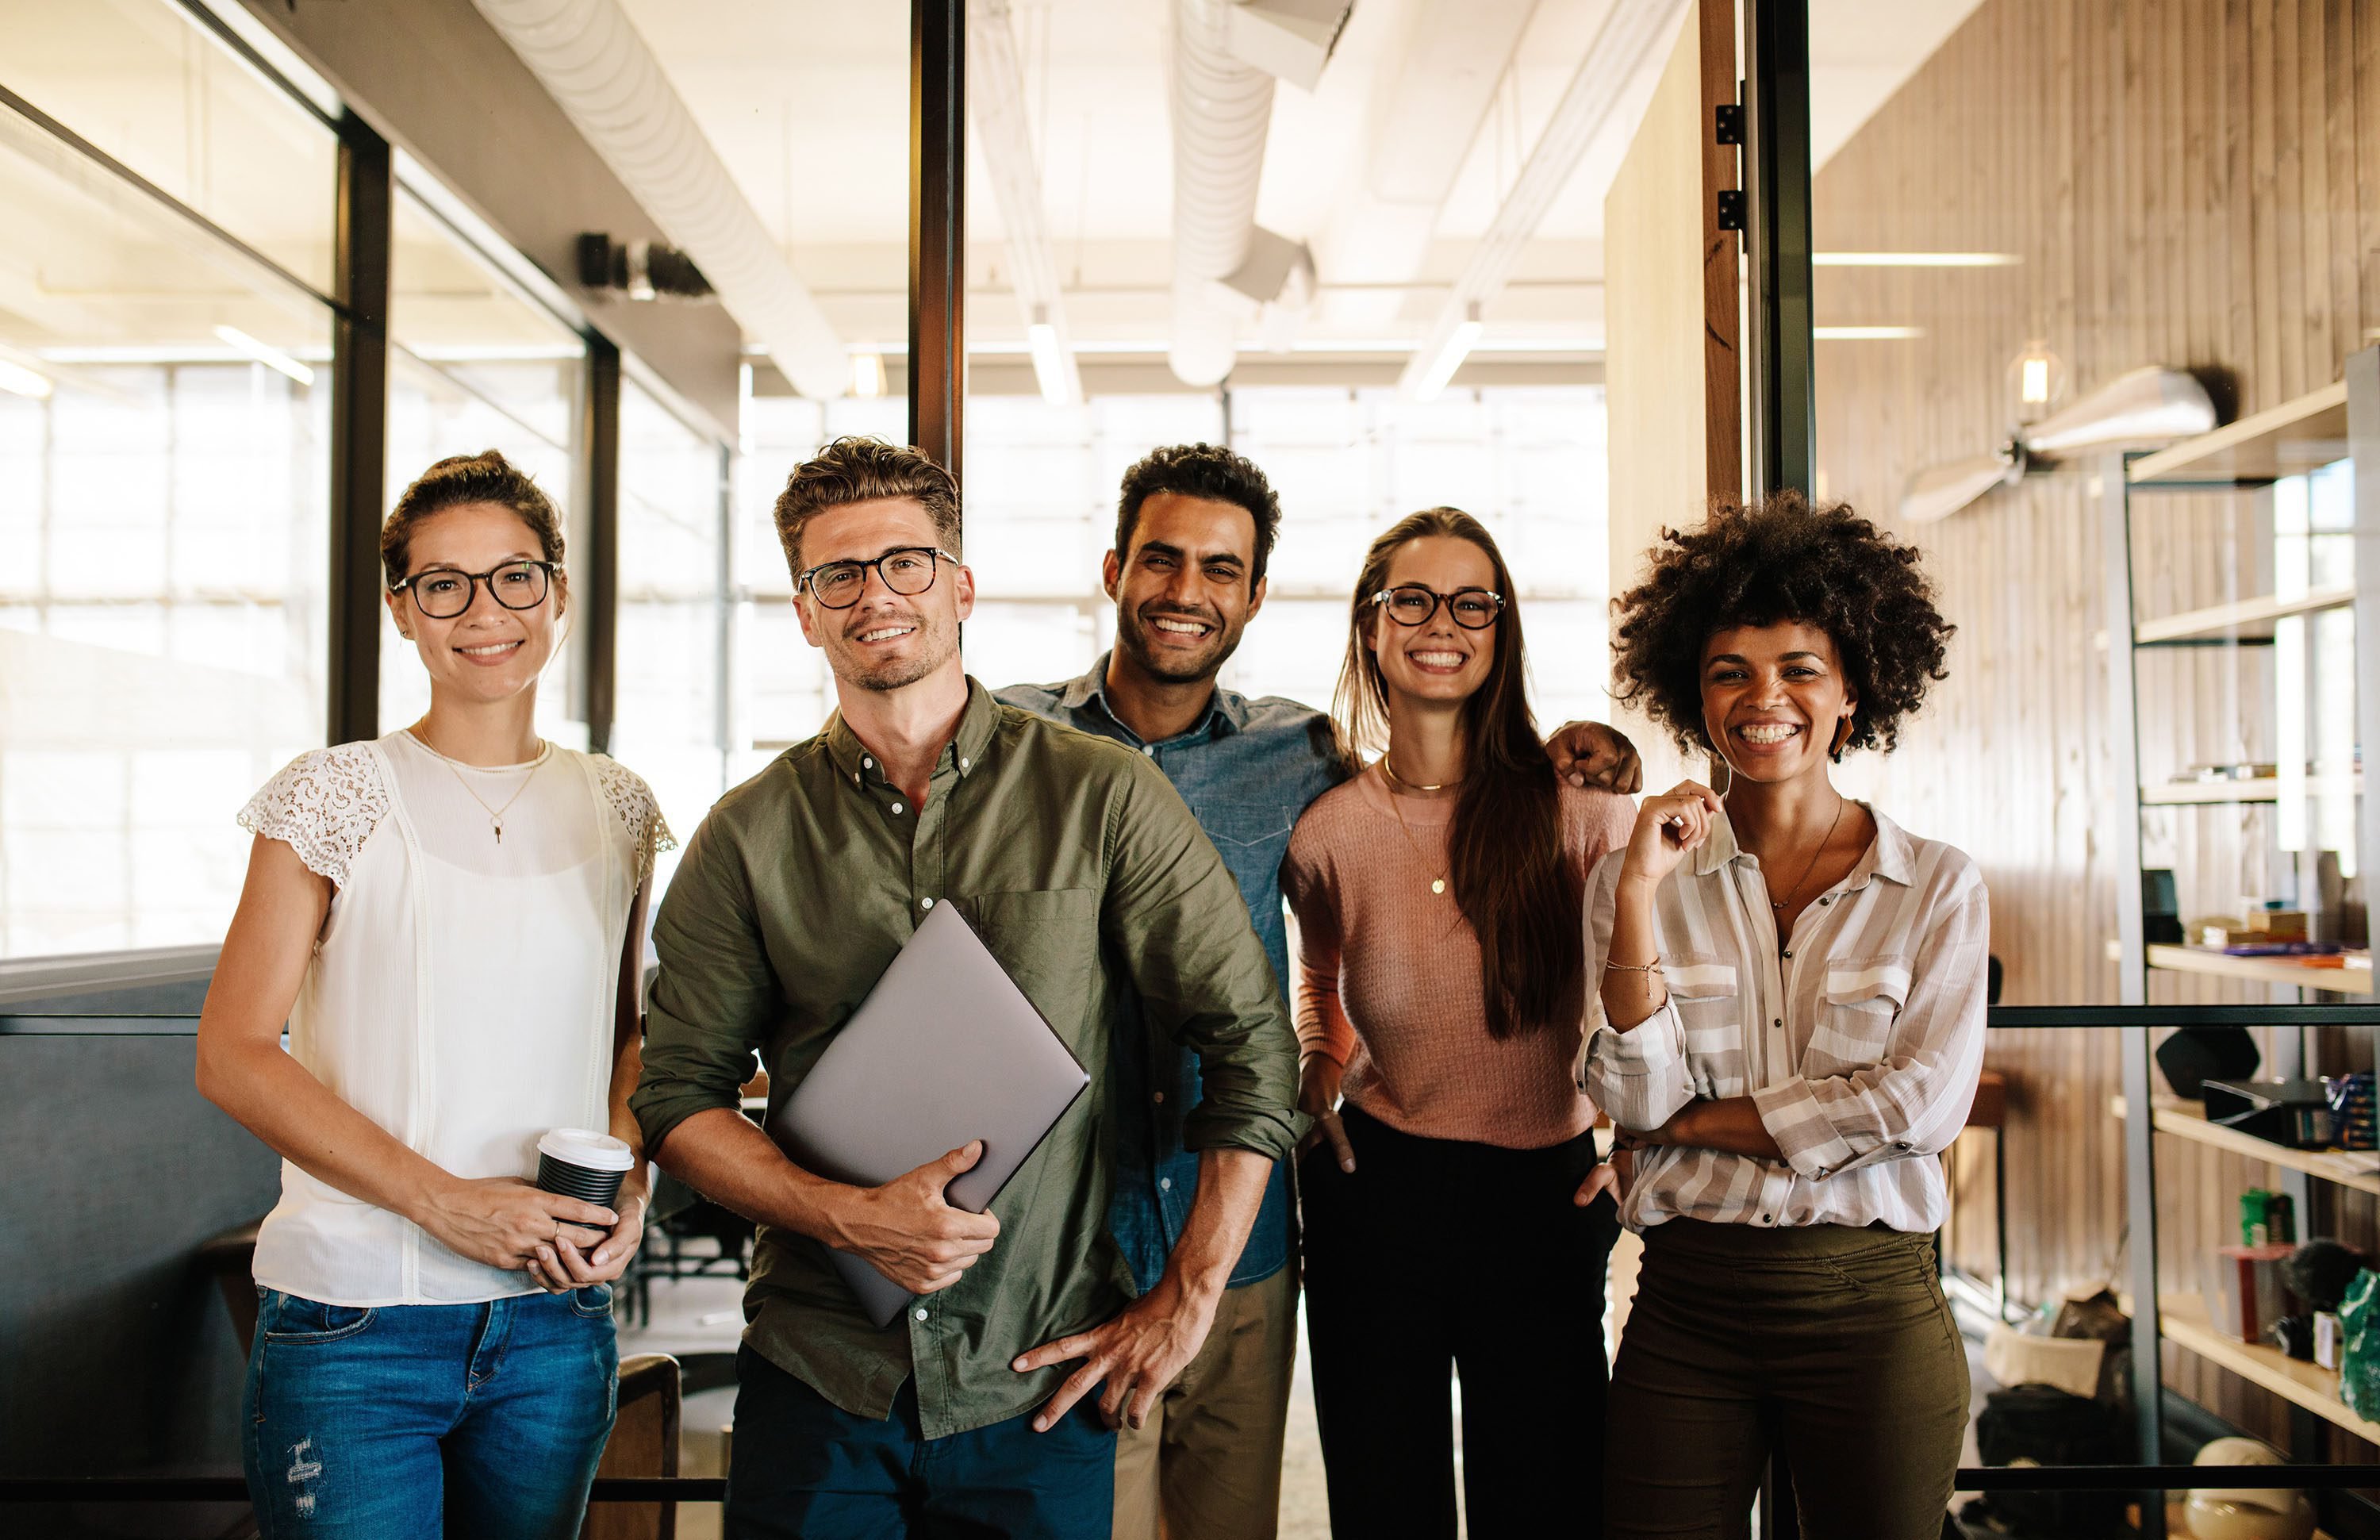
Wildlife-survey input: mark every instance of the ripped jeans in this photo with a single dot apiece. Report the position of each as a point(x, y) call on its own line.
point(414, 1421)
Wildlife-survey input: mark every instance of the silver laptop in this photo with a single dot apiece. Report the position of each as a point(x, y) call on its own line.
point(945, 1048)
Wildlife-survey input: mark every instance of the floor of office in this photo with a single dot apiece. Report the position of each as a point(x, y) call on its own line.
point(703, 1316)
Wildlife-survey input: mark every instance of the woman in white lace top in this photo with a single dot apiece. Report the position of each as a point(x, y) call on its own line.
point(448, 919)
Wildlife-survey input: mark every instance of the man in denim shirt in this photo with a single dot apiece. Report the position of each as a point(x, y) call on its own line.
point(1194, 526)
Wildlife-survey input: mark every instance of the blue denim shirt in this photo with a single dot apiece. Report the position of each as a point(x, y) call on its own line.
point(1248, 769)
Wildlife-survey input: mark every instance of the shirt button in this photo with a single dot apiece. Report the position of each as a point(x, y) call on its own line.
point(924, 903)
point(1779, 1023)
point(1788, 956)
point(866, 762)
point(1165, 1184)
point(1160, 1098)
point(897, 810)
point(1150, 749)
point(1823, 903)
point(921, 1315)
point(1763, 1219)
point(855, 778)
point(962, 764)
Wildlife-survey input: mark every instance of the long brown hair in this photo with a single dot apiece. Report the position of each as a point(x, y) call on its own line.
point(1504, 849)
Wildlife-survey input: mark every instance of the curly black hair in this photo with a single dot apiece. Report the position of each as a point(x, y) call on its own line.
point(1767, 562)
point(1206, 470)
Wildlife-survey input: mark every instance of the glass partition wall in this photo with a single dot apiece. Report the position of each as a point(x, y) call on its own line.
point(164, 467)
point(166, 474)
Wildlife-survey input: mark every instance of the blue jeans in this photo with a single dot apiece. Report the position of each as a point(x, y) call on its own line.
point(414, 1421)
point(802, 1468)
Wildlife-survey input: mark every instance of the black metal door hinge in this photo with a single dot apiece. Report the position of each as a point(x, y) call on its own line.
point(1730, 210)
point(1731, 122)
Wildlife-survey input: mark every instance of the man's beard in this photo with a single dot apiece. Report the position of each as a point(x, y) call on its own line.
point(1132, 634)
point(934, 646)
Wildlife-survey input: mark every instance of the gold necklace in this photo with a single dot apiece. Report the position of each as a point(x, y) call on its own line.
point(1437, 883)
point(1779, 904)
point(1391, 772)
point(495, 815)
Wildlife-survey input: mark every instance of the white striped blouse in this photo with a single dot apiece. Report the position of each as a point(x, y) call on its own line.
point(1860, 1042)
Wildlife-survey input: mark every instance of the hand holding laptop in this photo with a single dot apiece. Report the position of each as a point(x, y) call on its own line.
point(906, 1232)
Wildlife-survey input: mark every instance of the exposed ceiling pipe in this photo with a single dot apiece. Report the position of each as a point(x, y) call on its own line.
point(590, 57)
point(996, 97)
point(1221, 112)
point(1630, 33)
point(1426, 112)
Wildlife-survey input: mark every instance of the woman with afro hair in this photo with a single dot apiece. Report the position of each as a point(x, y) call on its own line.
point(1787, 1023)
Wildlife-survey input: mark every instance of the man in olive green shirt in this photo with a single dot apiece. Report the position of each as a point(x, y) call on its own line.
point(1083, 871)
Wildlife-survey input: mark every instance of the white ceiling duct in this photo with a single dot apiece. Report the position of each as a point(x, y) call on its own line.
point(996, 100)
point(1629, 35)
point(592, 59)
point(1222, 113)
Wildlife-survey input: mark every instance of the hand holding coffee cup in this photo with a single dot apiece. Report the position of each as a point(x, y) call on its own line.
point(580, 1163)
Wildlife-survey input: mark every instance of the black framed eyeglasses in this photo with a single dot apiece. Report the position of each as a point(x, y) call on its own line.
point(906, 570)
point(1412, 604)
point(442, 593)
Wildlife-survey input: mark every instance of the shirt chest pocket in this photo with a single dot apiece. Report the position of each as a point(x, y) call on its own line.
point(1235, 826)
point(1856, 1011)
point(1710, 1007)
point(1049, 942)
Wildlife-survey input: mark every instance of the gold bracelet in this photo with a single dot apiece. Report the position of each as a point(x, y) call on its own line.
point(1652, 967)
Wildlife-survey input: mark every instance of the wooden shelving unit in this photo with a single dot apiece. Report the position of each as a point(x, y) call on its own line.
point(2186, 1119)
point(2229, 619)
point(2294, 439)
point(2215, 793)
point(2289, 440)
point(2307, 1385)
point(2351, 978)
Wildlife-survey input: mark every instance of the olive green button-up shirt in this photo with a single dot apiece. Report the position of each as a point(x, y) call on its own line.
point(1081, 868)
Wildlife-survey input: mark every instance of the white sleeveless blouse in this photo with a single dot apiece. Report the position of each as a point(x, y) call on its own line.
point(462, 994)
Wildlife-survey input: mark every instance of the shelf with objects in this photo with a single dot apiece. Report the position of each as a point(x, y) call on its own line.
point(2237, 880)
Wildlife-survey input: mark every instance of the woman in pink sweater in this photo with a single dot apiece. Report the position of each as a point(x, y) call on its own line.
point(1438, 896)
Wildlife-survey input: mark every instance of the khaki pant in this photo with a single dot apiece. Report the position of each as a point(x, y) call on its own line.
point(1831, 1344)
point(1207, 1464)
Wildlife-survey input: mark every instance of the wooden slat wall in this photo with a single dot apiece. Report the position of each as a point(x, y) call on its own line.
point(2194, 183)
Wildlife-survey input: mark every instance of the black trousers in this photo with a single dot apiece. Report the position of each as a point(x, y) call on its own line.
point(1436, 1257)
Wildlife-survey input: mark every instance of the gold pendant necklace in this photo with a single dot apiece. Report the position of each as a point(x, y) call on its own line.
point(1779, 904)
point(495, 815)
point(1437, 883)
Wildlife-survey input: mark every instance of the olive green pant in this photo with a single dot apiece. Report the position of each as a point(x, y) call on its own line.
point(1207, 1464)
point(1829, 1345)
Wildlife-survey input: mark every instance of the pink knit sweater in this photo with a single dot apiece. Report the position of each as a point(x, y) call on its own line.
point(1389, 971)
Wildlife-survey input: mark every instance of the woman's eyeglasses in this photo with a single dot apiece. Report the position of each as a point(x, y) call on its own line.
point(1412, 604)
point(442, 593)
point(906, 570)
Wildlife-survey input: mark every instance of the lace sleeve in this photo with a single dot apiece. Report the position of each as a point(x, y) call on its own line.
point(639, 814)
point(324, 806)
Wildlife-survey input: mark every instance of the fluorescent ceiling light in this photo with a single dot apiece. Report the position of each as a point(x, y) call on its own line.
point(868, 375)
point(246, 347)
point(1915, 259)
point(1049, 367)
point(1865, 333)
point(1456, 348)
point(16, 379)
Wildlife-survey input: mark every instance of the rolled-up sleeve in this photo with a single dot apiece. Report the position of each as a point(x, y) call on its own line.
point(1914, 1100)
point(715, 996)
point(1176, 916)
point(1637, 1075)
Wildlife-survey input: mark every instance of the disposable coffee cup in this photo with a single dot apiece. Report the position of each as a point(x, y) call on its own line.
point(580, 1163)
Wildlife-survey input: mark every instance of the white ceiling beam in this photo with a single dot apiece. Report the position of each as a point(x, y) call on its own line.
point(594, 63)
point(1627, 40)
point(996, 101)
point(1427, 111)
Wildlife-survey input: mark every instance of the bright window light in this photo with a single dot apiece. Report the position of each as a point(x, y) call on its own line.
point(1866, 334)
point(1049, 366)
point(867, 374)
point(16, 379)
